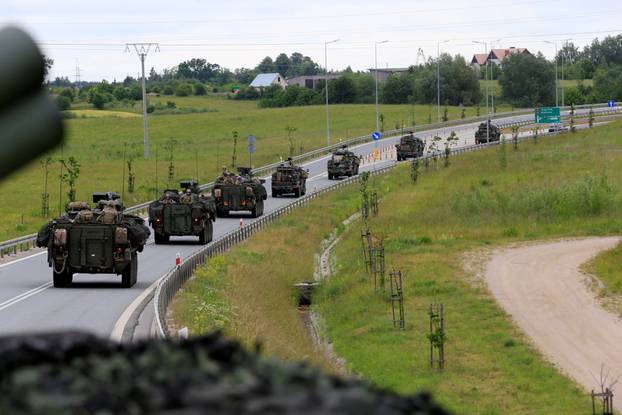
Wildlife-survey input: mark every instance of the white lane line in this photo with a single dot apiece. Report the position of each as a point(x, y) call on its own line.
point(21, 297)
point(22, 259)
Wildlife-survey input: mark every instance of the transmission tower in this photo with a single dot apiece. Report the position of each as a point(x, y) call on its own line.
point(421, 55)
point(77, 74)
point(142, 50)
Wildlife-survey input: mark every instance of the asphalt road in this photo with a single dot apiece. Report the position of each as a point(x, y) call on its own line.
point(94, 303)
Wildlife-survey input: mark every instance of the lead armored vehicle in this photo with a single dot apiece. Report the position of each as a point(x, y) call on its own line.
point(343, 162)
point(183, 213)
point(241, 192)
point(289, 179)
point(494, 133)
point(409, 147)
point(97, 240)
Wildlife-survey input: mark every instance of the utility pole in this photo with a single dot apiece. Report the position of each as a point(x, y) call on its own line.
point(376, 75)
point(142, 49)
point(326, 88)
point(556, 83)
point(77, 74)
point(563, 53)
point(492, 79)
point(487, 112)
point(438, 82)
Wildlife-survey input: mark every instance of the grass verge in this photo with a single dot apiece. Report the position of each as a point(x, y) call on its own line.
point(559, 187)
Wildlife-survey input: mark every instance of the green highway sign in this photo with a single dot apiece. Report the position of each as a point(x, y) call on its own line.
point(548, 115)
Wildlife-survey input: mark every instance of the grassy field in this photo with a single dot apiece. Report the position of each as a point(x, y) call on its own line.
point(203, 143)
point(562, 186)
point(606, 268)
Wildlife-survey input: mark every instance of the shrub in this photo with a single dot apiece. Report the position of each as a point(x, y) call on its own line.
point(168, 90)
point(200, 89)
point(63, 102)
point(183, 90)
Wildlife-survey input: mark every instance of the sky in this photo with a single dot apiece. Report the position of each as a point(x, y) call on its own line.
point(92, 35)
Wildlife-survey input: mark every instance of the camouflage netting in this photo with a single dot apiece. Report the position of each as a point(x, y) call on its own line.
point(76, 373)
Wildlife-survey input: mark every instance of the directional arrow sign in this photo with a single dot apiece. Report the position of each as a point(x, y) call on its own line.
point(611, 103)
point(375, 135)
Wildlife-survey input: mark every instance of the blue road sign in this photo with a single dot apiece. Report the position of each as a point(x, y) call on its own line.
point(611, 103)
point(375, 135)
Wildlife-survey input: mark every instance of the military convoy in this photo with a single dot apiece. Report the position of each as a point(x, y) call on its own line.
point(98, 240)
point(241, 192)
point(409, 147)
point(343, 162)
point(494, 133)
point(183, 213)
point(289, 179)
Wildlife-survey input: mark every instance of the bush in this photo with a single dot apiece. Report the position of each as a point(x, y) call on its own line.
point(63, 102)
point(151, 108)
point(98, 100)
point(183, 90)
point(200, 89)
point(168, 90)
point(67, 92)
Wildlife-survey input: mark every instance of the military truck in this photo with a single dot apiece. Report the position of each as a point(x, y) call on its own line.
point(241, 192)
point(493, 132)
point(98, 240)
point(343, 162)
point(289, 179)
point(409, 147)
point(183, 213)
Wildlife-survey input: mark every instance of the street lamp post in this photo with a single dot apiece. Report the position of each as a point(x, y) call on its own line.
point(376, 75)
point(326, 88)
point(492, 80)
point(438, 82)
point(487, 112)
point(562, 85)
point(556, 83)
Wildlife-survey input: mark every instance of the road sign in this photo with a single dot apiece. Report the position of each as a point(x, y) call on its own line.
point(611, 103)
point(548, 115)
point(251, 139)
point(251, 148)
point(375, 154)
point(375, 135)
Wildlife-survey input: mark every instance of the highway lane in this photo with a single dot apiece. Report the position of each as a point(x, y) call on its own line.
point(95, 302)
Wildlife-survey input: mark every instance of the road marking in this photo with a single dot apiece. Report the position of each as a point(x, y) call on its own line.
point(27, 294)
point(22, 259)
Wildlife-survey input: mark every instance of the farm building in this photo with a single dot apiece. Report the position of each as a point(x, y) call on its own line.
point(264, 80)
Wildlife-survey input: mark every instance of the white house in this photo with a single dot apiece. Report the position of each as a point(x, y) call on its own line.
point(264, 80)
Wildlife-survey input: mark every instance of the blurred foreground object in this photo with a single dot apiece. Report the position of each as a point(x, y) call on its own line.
point(76, 373)
point(30, 123)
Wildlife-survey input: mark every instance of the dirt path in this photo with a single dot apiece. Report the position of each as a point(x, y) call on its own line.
point(542, 289)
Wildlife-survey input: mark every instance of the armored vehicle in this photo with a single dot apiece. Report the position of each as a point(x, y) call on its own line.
point(289, 179)
point(184, 213)
point(409, 147)
point(239, 192)
point(493, 132)
point(343, 163)
point(98, 240)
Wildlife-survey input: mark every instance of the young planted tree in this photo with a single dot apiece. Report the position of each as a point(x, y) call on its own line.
point(290, 138)
point(462, 113)
point(131, 175)
point(70, 176)
point(477, 110)
point(503, 155)
point(515, 136)
point(452, 140)
point(169, 146)
point(572, 125)
point(381, 118)
point(45, 196)
point(445, 116)
point(590, 119)
point(414, 170)
point(235, 145)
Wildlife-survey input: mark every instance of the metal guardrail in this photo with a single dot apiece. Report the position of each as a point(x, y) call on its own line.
point(172, 281)
point(27, 242)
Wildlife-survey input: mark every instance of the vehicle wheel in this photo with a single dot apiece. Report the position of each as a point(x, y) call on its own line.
point(330, 176)
point(221, 214)
point(129, 276)
point(62, 280)
point(255, 212)
point(203, 237)
point(161, 239)
point(275, 193)
point(210, 230)
point(357, 170)
point(297, 192)
point(304, 189)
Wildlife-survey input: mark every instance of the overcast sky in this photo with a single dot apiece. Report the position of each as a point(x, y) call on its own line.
point(240, 33)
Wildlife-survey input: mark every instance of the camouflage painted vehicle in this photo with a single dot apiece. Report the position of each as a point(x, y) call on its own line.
point(409, 147)
point(185, 213)
point(493, 132)
point(239, 193)
point(343, 162)
point(289, 179)
point(101, 240)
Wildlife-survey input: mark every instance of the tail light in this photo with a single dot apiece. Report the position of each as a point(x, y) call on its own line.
point(158, 220)
point(60, 237)
point(226, 203)
point(217, 192)
point(196, 220)
point(243, 202)
point(120, 236)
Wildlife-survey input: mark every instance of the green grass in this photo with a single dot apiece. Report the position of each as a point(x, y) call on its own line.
point(204, 144)
point(606, 267)
point(562, 186)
